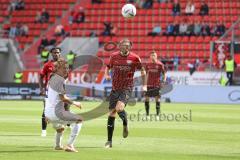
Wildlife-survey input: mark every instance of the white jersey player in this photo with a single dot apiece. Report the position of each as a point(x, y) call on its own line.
point(55, 111)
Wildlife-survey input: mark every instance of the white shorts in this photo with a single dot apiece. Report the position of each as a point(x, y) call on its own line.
point(56, 122)
point(60, 123)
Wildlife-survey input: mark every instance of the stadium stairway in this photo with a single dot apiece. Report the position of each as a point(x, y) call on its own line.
point(28, 44)
point(30, 54)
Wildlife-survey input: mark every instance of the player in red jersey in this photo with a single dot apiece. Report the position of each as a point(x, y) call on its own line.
point(123, 64)
point(45, 74)
point(154, 69)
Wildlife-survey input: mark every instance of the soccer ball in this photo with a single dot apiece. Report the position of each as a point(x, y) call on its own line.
point(129, 11)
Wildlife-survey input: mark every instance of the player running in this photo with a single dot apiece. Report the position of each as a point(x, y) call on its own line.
point(55, 111)
point(154, 69)
point(123, 64)
point(45, 73)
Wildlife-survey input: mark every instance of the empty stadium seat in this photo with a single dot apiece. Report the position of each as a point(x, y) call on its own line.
point(136, 29)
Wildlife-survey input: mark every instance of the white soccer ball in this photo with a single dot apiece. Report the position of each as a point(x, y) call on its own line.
point(129, 11)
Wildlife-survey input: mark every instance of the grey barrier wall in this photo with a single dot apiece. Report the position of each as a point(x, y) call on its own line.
point(80, 46)
point(10, 61)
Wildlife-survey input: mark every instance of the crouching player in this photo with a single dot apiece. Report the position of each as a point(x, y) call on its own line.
point(55, 111)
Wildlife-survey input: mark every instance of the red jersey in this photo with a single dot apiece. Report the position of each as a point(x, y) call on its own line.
point(47, 71)
point(123, 68)
point(154, 71)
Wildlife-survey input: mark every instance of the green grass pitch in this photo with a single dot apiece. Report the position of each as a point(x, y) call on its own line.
point(213, 133)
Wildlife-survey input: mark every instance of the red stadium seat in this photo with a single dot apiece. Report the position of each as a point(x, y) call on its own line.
point(171, 39)
point(178, 39)
point(178, 46)
point(185, 39)
point(207, 39)
point(193, 39)
point(163, 39)
point(135, 29)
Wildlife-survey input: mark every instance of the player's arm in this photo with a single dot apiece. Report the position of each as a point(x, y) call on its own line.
point(164, 74)
point(140, 66)
point(107, 73)
point(41, 85)
point(42, 74)
point(164, 77)
point(107, 70)
point(144, 78)
point(67, 100)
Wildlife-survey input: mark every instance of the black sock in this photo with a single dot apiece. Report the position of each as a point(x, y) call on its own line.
point(158, 107)
point(147, 107)
point(110, 127)
point(123, 116)
point(44, 123)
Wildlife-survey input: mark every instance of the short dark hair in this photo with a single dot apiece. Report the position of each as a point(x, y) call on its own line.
point(55, 48)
